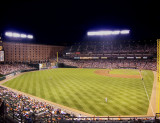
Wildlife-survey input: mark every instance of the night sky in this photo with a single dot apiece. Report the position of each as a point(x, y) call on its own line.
point(65, 21)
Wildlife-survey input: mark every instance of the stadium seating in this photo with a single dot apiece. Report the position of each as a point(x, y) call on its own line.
point(25, 109)
point(112, 64)
point(15, 107)
point(118, 54)
point(113, 46)
point(9, 68)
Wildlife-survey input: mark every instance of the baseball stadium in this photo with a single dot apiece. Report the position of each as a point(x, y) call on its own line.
point(98, 80)
point(79, 62)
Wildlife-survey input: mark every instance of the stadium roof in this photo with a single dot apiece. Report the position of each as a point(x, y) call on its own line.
point(68, 21)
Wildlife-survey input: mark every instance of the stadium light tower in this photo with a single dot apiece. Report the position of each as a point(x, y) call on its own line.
point(116, 32)
point(107, 32)
point(23, 35)
point(18, 35)
point(30, 36)
point(8, 34)
point(125, 32)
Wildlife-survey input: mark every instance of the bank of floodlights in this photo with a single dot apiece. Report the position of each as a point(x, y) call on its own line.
point(18, 35)
point(108, 32)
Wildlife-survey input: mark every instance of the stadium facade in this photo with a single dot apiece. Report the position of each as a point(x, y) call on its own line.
point(25, 52)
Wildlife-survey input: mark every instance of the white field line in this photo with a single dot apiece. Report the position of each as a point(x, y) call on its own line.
point(147, 94)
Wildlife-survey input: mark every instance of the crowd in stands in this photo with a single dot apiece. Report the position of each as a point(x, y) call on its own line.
point(111, 64)
point(9, 68)
point(117, 46)
point(27, 108)
point(143, 54)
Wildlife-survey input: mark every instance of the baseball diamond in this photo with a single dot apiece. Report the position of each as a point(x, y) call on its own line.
point(87, 89)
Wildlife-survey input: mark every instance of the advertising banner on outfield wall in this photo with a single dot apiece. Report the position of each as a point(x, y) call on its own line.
point(103, 57)
point(78, 53)
point(120, 57)
point(76, 57)
point(130, 57)
point(85, 57)
point(95, 57)
point(138, 57)
point(89, 57)
point(144, 57)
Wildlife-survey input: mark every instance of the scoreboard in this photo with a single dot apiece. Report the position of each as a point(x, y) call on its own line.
point(1, 51)
point(42, 66)
point(1, 55)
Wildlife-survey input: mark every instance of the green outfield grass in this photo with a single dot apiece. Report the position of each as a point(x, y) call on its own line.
point(86, 91)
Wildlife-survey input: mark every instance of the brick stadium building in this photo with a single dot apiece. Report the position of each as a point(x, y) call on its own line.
point(24, 52)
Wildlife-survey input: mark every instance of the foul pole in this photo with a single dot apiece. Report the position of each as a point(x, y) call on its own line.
point(57, 57)
point(158, 76)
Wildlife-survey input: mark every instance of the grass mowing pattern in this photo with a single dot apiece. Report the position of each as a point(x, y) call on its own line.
point(84, 90)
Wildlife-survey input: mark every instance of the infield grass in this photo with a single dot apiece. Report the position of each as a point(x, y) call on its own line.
point(86, 91)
